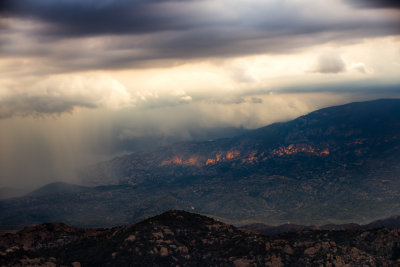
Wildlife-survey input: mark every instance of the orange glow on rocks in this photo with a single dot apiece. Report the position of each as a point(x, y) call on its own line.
point(195, 160)
point(325, 152)
point(192, 161)
point(174, 160)
point(294, 149)
point(210, 161)
point(221, 157)
point(251, 158)
point(232, 154)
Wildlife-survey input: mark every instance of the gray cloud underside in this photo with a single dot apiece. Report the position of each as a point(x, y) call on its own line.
point(148, 33)
point(39, 105)
point(356, 88)
point(23, 105)
point(82, 18)
point(330, 64)
point(73, 35)
point(376, 3)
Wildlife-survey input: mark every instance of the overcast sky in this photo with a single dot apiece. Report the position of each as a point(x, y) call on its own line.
point(82, 80)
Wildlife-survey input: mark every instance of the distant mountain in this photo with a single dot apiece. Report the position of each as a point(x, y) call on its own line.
point(9, 192)
point(186, 239)
point(58, 188)
point(335, 165)
point(343, 133)
point(280, 229)
point(391, 222)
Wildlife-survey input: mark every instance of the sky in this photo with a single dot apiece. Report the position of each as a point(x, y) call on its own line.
point(85, 80)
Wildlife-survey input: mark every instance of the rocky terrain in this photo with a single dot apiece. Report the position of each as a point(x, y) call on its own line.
point(187, 239)
point(336, 165)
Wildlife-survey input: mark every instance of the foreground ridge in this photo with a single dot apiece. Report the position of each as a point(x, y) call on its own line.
point(187, 239)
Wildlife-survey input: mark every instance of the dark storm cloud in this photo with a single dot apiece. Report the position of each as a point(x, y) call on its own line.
point(151, 33)
point(209, 25)
point(376, 3)
point(89, 17)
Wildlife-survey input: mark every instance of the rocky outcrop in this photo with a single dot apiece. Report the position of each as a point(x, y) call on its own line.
point(186, 239)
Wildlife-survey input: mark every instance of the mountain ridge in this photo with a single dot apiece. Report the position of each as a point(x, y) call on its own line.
point(276, 139)
point(392, 222)
point(187, 239)
point(335, 165)
point(57, 188)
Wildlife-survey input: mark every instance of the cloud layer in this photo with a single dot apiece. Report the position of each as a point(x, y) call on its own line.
point(120, 33)
point(43, 40)
point(330, 63)
point(56, 95)
point(376, 3)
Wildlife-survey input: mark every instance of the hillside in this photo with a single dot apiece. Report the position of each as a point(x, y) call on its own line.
point(9, 192)
point(347, 134)
point(187, 239)
point(392, 222)
point(58, 188)
point(336, 165)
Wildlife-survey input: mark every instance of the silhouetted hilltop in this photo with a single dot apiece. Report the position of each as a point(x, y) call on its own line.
point(187, 239)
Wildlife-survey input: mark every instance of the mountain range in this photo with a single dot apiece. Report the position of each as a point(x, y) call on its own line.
point(336, 165)
point(392, 222)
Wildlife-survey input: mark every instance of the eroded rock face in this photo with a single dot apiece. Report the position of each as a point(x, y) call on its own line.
point(187, 239)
